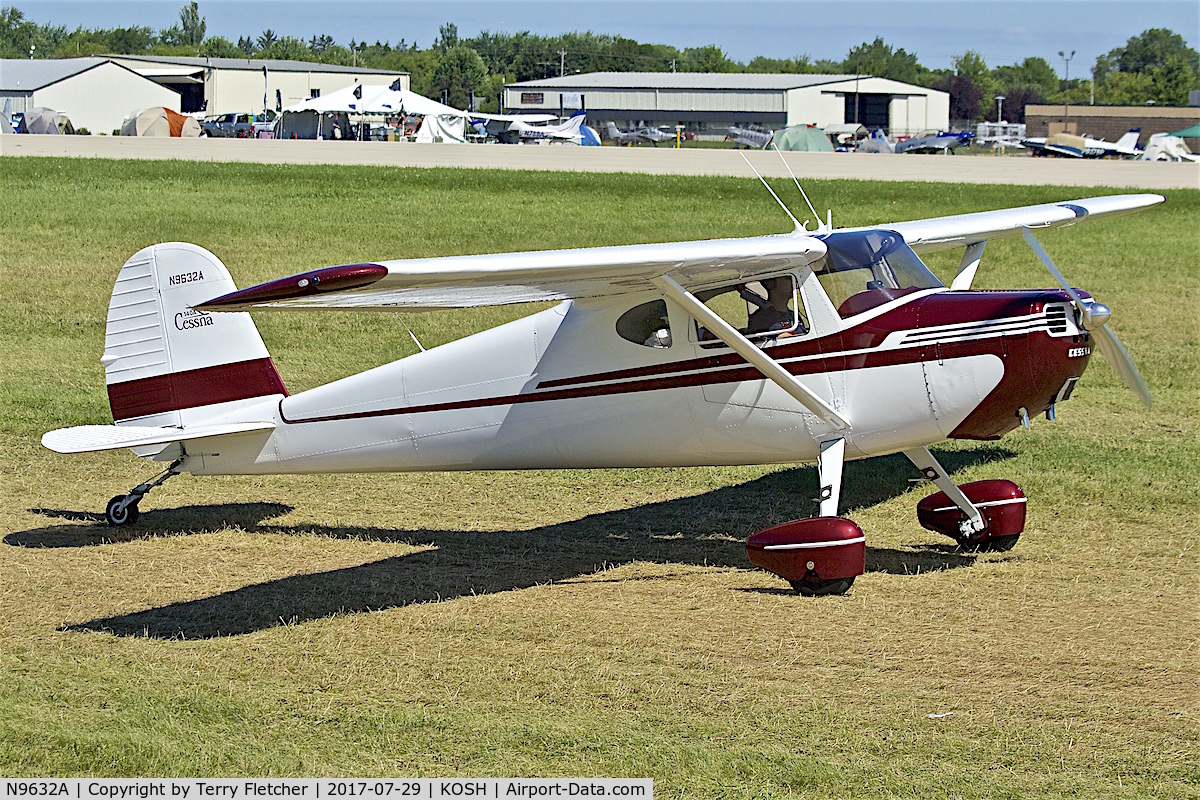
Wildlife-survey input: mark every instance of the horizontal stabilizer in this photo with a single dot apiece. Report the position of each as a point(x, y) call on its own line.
point(90, 438)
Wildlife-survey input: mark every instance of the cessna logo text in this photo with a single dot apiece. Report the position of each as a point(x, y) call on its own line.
point(187, 320)
point(185, 277)
point(1079, 352)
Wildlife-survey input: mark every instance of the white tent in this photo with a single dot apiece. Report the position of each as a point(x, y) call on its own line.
point(442, 128)
point(47, 120)
point(1166, 147)
point(160, 121)
point(376, 100)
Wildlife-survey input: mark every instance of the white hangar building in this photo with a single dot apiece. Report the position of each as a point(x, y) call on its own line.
point(95, 93)
point(239, 85)
point(711, 101)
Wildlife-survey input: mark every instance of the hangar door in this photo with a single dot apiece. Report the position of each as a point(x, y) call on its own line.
point(872, 109)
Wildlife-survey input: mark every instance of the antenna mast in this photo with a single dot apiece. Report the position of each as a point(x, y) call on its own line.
point(791, 216)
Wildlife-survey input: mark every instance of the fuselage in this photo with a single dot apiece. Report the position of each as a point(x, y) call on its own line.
point(563, 389)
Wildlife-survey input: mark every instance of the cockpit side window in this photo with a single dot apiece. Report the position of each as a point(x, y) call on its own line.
point(762, 310)
point(865, 269)
point(646, 324)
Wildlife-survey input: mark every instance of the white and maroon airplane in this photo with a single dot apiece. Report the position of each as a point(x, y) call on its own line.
point(819, 346)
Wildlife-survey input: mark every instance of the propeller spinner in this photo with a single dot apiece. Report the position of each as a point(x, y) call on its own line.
point(1093, 319)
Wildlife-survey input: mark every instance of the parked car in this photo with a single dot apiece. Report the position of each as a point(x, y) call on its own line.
point(236, 126)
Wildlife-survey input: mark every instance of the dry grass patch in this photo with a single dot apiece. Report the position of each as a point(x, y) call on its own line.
point(582, 623)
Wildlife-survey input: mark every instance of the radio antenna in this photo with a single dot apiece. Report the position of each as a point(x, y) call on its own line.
point(816, 216)
point(786, 210)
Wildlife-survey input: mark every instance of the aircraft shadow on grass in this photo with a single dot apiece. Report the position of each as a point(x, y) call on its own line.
point(704, 530)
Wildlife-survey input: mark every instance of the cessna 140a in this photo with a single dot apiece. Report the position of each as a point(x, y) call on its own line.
point(820, 346)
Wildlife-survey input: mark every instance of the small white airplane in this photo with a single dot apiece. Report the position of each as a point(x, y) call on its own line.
point(822, 346)
point(520, 131)
point(645, 133)
point(751, 136)
point(1071, 146)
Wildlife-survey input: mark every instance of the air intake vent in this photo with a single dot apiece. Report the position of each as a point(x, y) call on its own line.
point(1056, 318)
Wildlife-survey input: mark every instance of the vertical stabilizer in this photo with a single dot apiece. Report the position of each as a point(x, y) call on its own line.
point(166, 363)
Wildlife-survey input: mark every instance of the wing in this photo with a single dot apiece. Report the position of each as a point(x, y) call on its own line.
point(944, 233)
point(496, 279)
point(91, 438)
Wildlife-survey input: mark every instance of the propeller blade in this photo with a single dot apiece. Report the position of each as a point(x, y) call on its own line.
point(1115, 354)
point(1106, 341)
point(1037, 248)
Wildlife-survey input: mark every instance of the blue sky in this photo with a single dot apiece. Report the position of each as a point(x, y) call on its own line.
point(1004, 32)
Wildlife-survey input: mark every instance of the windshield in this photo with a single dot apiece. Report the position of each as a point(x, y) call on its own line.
point(866, 269)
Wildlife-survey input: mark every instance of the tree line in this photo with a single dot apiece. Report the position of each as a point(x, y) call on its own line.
point(1155, 66)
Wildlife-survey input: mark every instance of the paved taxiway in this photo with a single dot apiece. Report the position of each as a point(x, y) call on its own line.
point(648, 160)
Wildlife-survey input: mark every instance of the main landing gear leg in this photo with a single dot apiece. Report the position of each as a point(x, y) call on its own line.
point(829, 472)
point(973, 528)
point(123, 509)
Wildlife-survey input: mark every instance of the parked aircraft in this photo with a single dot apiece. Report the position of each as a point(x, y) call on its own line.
point(1072, 146)
point(822, 346)
point(642, 134)
point(934, 142)
point(877, 142)
point(520, 131)
point(755, 136)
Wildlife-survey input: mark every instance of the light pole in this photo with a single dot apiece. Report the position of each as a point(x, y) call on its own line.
point(1067, 93)
point(1000, 109)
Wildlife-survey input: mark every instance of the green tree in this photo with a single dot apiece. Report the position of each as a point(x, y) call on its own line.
point(708, 58)
point(798, 65)
point(447, 37)
point(192, 24)
point(266, 39)
point(1125, 89)
point(972, 65)
point(1033, 73)
point(879, 59)
point(288, 48)
point(1160, 54)
point(220, 47)
point(458, 75)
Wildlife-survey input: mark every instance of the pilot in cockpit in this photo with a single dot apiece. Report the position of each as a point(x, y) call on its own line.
point(774, 313)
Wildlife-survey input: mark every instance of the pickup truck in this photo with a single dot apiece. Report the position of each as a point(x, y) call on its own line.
point(236, 126)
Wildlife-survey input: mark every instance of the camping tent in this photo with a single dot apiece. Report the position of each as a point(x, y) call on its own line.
point(798, 138)
point(1167, 147)
point(159, 121)
point(440, 128)
point(46, 120)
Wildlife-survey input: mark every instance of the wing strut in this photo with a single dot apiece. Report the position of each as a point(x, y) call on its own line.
point(968, 267)
point(746, 349)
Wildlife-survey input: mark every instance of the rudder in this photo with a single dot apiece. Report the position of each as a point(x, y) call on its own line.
point(166, 363)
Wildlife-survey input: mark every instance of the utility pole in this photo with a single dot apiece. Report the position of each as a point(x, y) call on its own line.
point(1067, 93)
point(1000, 108)
point(672, 65)
point(562, 63)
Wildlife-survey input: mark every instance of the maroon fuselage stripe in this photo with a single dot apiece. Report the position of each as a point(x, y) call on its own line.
point(198, 387)
point(933, 310)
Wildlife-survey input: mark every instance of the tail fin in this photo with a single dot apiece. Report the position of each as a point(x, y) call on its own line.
point(1129, 140)
point(167, 364)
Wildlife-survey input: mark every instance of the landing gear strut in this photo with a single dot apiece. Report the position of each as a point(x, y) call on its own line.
point(123, 509)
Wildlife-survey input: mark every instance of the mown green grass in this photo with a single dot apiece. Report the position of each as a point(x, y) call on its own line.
point(582, 623)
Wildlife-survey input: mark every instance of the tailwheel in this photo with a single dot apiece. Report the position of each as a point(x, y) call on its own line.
point(122, 510)
point(819, 588)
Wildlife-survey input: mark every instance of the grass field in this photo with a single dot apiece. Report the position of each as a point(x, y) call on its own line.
point(583, 623)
